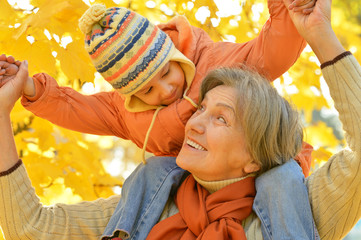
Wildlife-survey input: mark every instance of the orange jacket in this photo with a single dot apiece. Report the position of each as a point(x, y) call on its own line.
point(273, 52)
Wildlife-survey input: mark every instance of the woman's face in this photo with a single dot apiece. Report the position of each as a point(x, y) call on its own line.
point(214, 146)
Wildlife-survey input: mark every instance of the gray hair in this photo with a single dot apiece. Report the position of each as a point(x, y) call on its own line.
point(272, 127)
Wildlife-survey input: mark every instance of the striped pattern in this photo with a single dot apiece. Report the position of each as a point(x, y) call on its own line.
point(127, 49)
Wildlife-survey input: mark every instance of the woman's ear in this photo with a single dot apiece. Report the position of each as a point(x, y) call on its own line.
point(252, 167)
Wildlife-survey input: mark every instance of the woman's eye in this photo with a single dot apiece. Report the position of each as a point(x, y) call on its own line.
point(222, 119)
point(149, 90)
point(201, 108)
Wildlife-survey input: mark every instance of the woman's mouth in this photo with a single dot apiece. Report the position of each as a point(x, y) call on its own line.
point(195, 145)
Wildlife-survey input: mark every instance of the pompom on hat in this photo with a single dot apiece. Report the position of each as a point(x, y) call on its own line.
point(128, 51)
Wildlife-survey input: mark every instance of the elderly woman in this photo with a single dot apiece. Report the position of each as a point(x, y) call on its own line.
point(218, 151)
point(221, 151)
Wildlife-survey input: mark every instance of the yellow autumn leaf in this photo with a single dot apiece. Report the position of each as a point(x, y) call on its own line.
point(75, 63)
point(6, 12)
point(321, 155)
point(320, 135)
point(41, 18)
point(19, 113)
point(1, 234)
point(58, 192)
point(44, 60)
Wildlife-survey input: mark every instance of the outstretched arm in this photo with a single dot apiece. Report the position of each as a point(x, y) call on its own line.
point(334, 189)
point(10, 92)
point(274, 50)
point(22, 216)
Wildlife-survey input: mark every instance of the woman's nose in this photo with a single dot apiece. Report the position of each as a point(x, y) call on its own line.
point(197, 123)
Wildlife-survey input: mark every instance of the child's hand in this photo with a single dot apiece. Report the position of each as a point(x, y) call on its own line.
point(9, 59)
point(304, 6)
point(8, 70)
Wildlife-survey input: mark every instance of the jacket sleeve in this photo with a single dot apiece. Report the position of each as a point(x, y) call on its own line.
point(100, 114)
point(334, 189)
point(274, 51)
point(22, 216)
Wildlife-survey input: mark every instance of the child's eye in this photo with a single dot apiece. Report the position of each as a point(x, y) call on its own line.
point(149, 90)
point(166, 73)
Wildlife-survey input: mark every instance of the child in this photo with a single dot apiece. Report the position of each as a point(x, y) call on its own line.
point(157, 71)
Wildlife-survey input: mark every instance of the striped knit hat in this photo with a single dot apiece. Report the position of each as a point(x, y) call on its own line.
point(128, 50)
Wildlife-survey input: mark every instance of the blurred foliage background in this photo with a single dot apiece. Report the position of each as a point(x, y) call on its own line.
point(67, 166)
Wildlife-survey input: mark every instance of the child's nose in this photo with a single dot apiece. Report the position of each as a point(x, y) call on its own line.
point(166, 90)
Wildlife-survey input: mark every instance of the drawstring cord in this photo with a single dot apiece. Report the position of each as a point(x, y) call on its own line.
point(152, 123)
point(148, 133)
point(190, 100)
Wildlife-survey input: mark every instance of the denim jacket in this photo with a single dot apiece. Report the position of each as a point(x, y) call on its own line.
point(284, 211)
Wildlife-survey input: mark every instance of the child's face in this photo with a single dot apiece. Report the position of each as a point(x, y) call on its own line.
point(165, 87)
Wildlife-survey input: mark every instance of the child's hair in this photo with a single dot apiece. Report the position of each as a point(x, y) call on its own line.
point(128, 50)
point(272, 128)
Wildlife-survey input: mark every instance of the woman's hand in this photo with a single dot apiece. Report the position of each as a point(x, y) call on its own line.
point(311, 24)
point(11, 90)
point(316, 29)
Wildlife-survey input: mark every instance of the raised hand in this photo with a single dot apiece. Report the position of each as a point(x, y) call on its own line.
point(8, 70)
point(316, 29)
point(318, 20)
point(11, 90)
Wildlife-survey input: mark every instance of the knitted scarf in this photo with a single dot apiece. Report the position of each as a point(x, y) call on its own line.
point(208, 216)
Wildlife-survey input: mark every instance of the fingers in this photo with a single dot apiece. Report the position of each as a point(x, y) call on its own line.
point(11, 59)
point(23, 70)
point(308, 10)
point(4, 65)
point(3, 81)
point(305, 8)
point(300, 5)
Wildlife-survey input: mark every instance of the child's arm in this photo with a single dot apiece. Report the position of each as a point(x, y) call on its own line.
point(95, 114)
point(273, 52)
point(65, 107)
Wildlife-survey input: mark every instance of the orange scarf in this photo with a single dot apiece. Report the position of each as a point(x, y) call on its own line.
point(208, 216)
